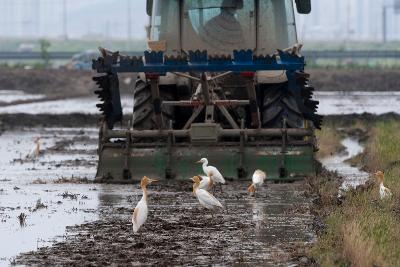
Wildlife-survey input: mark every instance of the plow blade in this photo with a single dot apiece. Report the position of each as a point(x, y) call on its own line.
point(118, 166)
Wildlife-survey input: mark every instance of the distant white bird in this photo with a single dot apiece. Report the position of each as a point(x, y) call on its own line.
point(35, 150)
point(257, 181)
point(139, 215)
point(212, 172)
point(206, 182)
point(205, 198)
point(383, 191)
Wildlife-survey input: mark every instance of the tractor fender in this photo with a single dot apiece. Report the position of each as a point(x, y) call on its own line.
point(269, 77)
point(169, 79)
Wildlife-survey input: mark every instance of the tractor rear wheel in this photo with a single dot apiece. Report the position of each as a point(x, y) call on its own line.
point(143, 109)
point(279, 104)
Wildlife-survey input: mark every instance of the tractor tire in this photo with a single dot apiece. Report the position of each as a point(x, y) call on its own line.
point(279, 104)
point(143, 109)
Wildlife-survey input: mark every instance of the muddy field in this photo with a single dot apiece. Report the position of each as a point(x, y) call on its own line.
point(179, 232)
point(52, 83)
point(274, 228)
point(355, 80)
point(70, 83)
point(72, 221)
point(90, 223)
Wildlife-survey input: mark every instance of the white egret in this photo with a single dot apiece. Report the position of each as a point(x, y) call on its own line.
point(212, 172)
point(205, 198)
point(139, 215)
point(383, 191)
point(35, 150)
point(257, 181)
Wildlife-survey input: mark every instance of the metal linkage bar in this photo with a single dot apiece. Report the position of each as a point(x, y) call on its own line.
point(198, 61)
point(195, 114)
point(221, 132)
point(205, 89)
point(195, 103)
point(255, 113)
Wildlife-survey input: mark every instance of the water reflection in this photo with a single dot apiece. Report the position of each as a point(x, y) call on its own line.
point(352, 175)
point(346, 102)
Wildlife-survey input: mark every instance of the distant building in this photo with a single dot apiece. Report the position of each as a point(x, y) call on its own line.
point(332, 20)
point(350, 20)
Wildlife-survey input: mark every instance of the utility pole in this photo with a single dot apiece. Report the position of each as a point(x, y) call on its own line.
point(65, 20)
point(348, 20)
point(37, 18)
point(384, 20)
point(129, 19)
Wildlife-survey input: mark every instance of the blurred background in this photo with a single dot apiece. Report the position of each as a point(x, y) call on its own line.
point(81, 26)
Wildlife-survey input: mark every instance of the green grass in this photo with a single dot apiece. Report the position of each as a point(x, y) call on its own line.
point(79, 45)
point(364, 230)
point(357, 64)
point(328, 141)
point(74, 45)
point(351, 46)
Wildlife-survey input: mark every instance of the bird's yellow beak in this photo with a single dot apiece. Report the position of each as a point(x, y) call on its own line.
point(198, 161)
point(153, 180)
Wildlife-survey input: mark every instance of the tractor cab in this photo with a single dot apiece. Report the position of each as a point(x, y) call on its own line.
point(222, 26)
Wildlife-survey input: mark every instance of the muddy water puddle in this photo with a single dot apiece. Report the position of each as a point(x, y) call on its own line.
point(84, 105)
point(265, 230)
point(352, 175)
point(10, 96)
point(27, 186)
point(332, 102)
point(64, 217)
point(55, 160)
point(347, 102)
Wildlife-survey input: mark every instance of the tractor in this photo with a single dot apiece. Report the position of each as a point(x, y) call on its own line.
point(221, 79)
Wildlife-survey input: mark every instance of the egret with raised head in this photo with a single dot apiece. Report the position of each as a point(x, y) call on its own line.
point(139, 215)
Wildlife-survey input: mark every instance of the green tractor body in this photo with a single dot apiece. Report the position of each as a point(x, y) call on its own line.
point(212, 85)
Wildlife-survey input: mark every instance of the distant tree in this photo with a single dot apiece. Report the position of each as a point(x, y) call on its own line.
point(44, 50)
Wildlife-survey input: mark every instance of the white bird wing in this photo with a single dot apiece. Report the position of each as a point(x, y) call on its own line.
point(258, 177)
point(32, 153)
point(387, 192)
point(139, 216)
point(207, 200)
point(216, 175)
point(205, 182)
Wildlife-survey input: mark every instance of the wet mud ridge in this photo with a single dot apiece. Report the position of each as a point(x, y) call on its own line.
point(273, 229)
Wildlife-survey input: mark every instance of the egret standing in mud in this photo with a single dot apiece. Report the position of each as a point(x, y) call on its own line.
point(139, 216)
point(257, 181)
point(205, 198)
point(35, 150)
point(383, 191)
point(212, 172)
